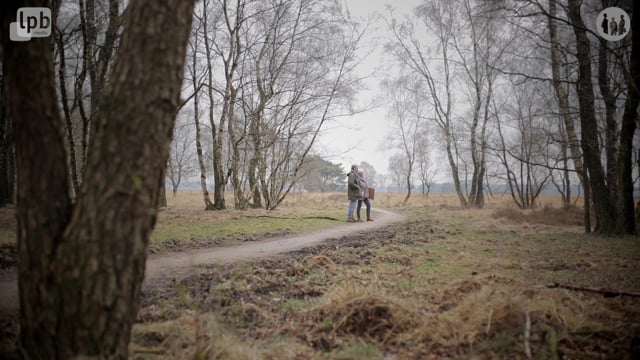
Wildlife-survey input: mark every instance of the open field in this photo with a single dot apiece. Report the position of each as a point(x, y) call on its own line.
point(450, 283)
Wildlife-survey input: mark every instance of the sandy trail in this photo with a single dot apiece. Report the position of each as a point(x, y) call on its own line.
point(175, 265)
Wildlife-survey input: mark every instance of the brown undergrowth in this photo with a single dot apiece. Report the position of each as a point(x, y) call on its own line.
point(447, 284)
point(450, 283)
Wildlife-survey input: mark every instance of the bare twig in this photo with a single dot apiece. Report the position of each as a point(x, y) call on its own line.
point(604, 292)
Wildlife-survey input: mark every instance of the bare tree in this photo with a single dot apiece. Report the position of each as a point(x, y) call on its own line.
point(427, 171)
point(399, 168)
point(439, 17)
point(81, 264)
point(227, 46)
point(561, 90)
point(466, 51)
point(285, 69)
point(603, 134)
point(181, 157)
point(196, 78)
point(283, 33)
point(628, 132)
point(317, 85)
point(528, 158)
point(86, 40)
point(408, 114)
point(614, 211)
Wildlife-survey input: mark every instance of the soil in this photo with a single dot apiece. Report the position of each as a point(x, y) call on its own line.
point(174, 266)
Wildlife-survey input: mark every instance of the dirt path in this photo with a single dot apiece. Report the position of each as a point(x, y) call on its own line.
point(175, 265)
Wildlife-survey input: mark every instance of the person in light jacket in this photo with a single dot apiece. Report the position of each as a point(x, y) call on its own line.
point(365, 196)
point(353, 191)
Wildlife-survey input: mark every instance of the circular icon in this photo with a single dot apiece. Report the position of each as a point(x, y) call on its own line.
point(613, 23)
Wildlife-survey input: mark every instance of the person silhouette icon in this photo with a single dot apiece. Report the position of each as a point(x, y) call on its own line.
point(622, 29)
point(612, 23)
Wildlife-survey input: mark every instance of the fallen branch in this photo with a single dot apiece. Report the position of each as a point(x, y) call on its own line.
point(605, 292)
point(299, 218)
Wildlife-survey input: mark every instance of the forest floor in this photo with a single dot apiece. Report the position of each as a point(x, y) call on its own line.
point(444, 283)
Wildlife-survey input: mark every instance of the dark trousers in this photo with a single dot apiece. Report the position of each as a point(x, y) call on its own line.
point(366, 202)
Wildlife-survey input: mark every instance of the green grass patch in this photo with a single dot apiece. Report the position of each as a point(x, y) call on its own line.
point(221, 228)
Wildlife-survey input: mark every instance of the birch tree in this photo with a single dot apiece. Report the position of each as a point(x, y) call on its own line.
point(304, 77)
point(439, 17)
point(86, 38)
point(407, 114)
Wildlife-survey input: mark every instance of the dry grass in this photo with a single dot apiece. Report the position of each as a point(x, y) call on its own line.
point(451, 283)
point(547, 215)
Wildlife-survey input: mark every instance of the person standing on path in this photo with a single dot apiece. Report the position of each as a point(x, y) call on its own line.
point(365, 196)
point(353, 191)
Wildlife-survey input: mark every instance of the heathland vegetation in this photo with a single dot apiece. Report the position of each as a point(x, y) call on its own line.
point(493, 282)
point(95, 117)
point(450, 282)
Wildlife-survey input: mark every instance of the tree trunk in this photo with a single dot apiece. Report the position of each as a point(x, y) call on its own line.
point(606, 213)
point(253, 184)
point(565, 113)
point(217, 132)
point(97, 59)
point(231, 61)
point(81, 266)
point(611, 125)
point(454, 167)
point(476, 177)
point(6, 147)
point(162, 193)
point(408, 179)
point(66, 111)
point(208, 205)
point(629, 123)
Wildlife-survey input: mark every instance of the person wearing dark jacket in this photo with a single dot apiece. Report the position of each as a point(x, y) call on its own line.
point(353, 191)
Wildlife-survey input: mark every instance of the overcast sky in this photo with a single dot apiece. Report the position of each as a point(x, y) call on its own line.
point(357, 138)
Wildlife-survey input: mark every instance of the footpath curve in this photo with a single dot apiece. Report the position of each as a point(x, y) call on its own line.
point(175, 265)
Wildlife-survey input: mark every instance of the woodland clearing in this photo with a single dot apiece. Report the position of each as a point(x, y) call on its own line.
point(446, 283)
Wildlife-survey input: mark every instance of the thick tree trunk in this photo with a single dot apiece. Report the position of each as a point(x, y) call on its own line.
point(604, 207)
point(42, 174)
point(454, 168)
point(611, 124)
point(253, 184)
point(162, 193)
point(81, 267)
point(7, 178)
point(629, 124)
point(565, 113)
